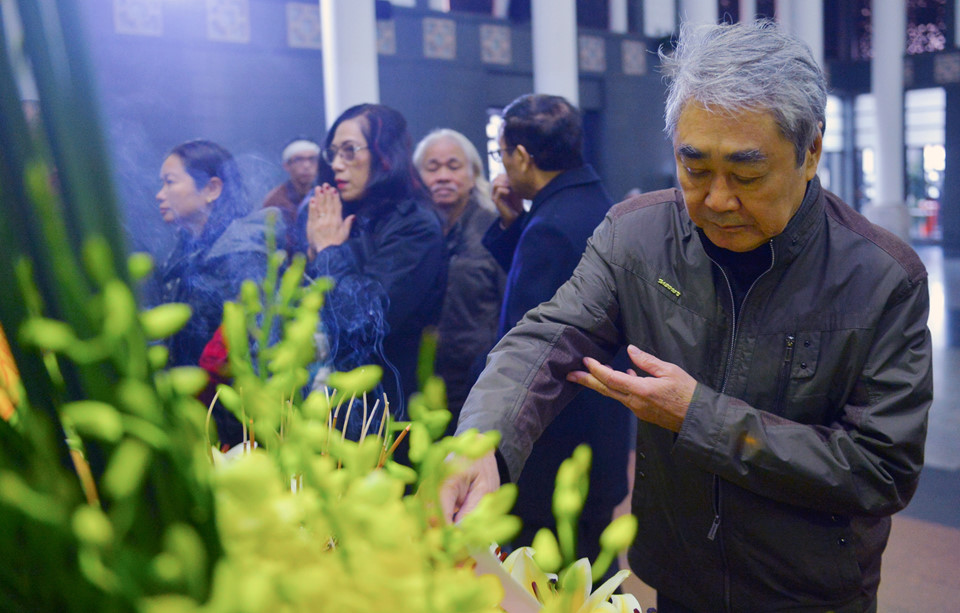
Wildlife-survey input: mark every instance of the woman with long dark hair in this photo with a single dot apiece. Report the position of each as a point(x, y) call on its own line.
point(219, 244)
point(376, 223)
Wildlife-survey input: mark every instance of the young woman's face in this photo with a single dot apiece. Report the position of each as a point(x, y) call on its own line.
point(350, 175)
point(180, 201)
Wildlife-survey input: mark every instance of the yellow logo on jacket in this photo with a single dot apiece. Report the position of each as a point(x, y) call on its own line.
point(669, 287)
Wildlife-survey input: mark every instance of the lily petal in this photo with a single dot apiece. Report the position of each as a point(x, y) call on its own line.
point(603, 593)
point(625, 603)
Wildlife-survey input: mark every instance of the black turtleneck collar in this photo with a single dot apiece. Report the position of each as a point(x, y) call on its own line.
point(744, 268)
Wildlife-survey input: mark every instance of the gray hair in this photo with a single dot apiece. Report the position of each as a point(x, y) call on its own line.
point(747, 66)
point(482, 189)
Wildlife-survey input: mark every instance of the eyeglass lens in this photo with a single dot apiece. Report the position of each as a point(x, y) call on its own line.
point(348, 151)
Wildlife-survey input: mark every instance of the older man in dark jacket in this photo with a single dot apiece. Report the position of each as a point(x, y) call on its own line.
point(540, 145)
point(783, 416)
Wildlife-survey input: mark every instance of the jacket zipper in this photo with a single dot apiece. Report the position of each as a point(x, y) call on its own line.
point(715, 525)
point(789, 344)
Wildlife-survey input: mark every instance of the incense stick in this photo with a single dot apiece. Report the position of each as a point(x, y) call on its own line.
point(366, 425)
point(396, 443)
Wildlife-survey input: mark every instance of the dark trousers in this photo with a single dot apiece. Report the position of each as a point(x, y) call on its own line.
point(665, 605)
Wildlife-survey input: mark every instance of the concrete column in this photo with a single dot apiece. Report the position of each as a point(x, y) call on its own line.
point(618, 16)
point(804, 19)
point(889, 210)
point(748, 10)
point(659, 18)
point(699, 11)
point(555, 48)
point(350, 71)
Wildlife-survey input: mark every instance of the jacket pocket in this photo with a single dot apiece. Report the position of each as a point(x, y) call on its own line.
point(799, 391)
point(781, 552)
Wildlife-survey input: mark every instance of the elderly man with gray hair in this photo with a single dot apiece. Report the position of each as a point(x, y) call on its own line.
point(782, 362)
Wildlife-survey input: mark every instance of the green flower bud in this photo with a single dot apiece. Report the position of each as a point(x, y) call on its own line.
point(183, 542)
point(472, 444)
point(98, 260)
point(188, 380)
point(290, 282)
point(566, 503)
point(127, 466)
point(229, 397)
point(502, 529)
point(435, 393)
point(316, 407)
point(164, 320)
point(167, 568)
point(158, 355)
point(420, 440)
point(619, 534)
point(250, 297)
point(235, 329)
point(91, 526)
point(582, 455)
point(15, 492)
point(139, 398)
point(48, 334)
point(120, 309)
point(547, 554)
point(93, 418)
point(357, 381)
point(401, 473)
point(139, 265)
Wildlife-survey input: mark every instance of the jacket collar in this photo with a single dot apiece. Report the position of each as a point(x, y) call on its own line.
point(573, 177)
point(802, 226)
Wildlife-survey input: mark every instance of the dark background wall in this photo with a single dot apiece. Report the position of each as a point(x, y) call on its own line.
point(252, 97)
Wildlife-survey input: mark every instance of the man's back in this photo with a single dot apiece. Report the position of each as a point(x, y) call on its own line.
point(546, 245)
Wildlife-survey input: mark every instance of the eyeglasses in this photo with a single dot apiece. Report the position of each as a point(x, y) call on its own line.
point(497, 154)
point(348, 151)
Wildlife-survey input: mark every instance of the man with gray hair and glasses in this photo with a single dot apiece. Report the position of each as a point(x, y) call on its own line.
point(782, 362)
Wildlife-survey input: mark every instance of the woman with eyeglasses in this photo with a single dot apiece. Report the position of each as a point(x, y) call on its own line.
point(452, 170)
point(376, 223)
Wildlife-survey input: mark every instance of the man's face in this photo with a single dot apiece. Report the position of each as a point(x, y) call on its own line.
point(518, 167)
point(303, 168)
point(739, 175)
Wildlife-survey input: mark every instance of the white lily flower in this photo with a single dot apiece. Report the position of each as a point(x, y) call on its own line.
point(522, 567)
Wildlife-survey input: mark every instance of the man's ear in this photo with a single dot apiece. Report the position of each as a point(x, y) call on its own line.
point(523, 157)
point(813, 154)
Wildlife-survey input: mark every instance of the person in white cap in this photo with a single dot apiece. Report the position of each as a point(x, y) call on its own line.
point(301, 160)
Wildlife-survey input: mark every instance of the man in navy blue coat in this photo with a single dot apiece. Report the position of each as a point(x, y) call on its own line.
point(541, 144)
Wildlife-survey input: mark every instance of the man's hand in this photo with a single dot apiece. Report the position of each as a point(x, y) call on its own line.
point(662, 398)
point(509, 203)
point(325, 223)
point(461, 492)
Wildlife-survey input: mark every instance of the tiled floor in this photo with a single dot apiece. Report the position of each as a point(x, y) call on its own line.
point(921, 566)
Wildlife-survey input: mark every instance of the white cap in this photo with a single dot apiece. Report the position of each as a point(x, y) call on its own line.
point(300, 146)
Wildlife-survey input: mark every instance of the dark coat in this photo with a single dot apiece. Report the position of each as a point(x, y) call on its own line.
point(471, 305)
point(206, 272)
point(540, 251)
point(400, 246)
